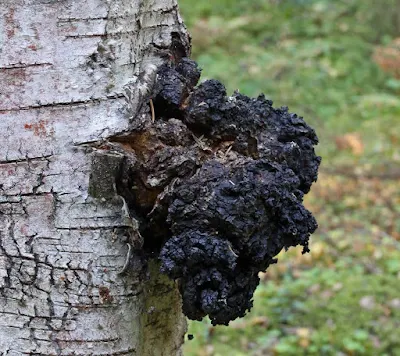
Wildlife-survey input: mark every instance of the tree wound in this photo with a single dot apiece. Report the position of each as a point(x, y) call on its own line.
point(217, 184)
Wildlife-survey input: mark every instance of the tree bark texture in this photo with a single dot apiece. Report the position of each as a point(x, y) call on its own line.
point(64, 69)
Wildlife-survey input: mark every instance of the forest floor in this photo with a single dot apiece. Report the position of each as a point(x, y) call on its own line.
point(337, 64)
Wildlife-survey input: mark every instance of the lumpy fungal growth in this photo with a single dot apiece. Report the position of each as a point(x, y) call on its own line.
point(217, 183)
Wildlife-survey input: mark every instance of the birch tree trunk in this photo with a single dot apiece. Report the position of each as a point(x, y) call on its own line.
point(64, 66)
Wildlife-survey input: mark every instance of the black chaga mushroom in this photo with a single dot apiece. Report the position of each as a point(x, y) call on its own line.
point(228, 222)
point(227, 176)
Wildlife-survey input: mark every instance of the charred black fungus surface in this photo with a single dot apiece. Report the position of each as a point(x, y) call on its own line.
point(218, 184)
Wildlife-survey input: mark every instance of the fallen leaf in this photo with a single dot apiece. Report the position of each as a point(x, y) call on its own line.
point(303, 332)
point(304, 343)
point(350, 141)
point(388, 57)
point(260, 320)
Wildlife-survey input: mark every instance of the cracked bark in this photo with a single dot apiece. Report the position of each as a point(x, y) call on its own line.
point(65, 67)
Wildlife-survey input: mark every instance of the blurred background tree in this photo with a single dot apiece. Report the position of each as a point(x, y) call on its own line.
point(337, 63)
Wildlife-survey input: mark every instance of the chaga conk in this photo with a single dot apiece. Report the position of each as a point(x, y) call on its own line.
point(217, 183)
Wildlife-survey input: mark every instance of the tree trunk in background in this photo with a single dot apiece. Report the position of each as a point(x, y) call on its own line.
point(63, 68)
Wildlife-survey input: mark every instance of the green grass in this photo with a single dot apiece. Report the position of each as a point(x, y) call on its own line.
point(293, 326)
point(315, 56)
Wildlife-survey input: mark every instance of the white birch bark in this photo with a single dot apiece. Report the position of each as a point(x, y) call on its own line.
point(63, 68)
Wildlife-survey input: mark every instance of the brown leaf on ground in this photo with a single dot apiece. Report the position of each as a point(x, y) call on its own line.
point(388, 57)
point(350, 141)
point(260, 320)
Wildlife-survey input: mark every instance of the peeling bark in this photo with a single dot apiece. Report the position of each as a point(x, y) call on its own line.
point(67, 69)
